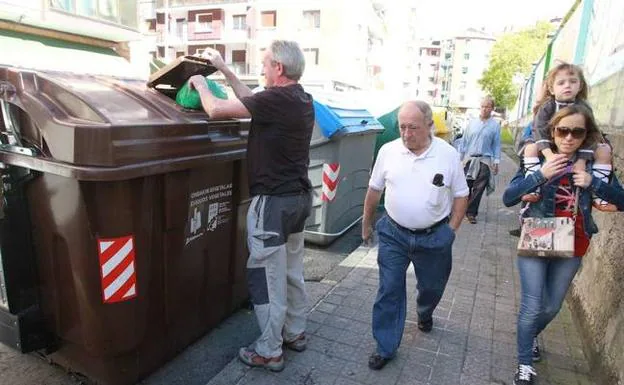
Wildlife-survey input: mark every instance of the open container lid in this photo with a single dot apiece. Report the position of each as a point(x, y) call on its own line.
point(176, 73)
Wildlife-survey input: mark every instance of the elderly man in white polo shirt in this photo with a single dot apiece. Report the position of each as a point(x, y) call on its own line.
point(426, 199)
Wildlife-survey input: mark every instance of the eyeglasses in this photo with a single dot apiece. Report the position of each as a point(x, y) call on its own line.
point(576, 132)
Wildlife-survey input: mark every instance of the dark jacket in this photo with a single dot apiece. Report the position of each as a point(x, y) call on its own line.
point(611, 192)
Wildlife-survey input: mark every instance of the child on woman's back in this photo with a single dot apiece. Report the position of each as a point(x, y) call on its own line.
point(564, 85)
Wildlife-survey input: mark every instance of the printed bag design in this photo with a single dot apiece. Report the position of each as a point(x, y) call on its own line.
point(547, 237)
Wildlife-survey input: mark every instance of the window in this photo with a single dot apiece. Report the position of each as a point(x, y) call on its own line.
point(239, 22)
point(312, 19)
point(447, 55)
point(311, 55)
point(462, 98)
point(268, 19)
point(432, 79)
point(462, 85)
point(238, 56)
point(431, 93)
point(466, 56)
point(121, 12)
point(203, 22)
point(464, 70)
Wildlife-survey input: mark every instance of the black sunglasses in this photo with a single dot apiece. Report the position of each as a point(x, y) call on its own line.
point(576, 132)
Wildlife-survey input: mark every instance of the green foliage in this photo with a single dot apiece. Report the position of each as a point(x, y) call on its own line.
point(513, 54)
point(506, 136)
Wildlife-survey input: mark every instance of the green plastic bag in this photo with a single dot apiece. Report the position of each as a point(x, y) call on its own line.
point(189, 98)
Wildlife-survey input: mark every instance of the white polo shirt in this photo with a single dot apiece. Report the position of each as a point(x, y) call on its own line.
point(411, 198)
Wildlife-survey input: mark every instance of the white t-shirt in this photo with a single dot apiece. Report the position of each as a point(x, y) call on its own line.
point(411, 198)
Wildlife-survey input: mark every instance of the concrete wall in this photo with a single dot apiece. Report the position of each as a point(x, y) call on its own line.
point(597, 293)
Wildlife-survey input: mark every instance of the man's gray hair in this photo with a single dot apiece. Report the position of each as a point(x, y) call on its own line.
point(424, 109)
point(290, 55)
point(490, 98)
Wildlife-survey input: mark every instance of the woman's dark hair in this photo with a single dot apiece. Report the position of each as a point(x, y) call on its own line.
point(593, 135)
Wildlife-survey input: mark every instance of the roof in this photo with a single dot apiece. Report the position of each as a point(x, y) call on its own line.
point(473, 33)
point(28, 51)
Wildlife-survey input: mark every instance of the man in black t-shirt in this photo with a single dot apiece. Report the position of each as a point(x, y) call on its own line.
point(278, 153)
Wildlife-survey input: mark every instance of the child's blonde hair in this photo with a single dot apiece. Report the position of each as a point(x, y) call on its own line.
point(545, 93)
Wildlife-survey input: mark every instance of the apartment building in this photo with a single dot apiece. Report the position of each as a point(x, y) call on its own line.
point(470, 58)
point(337, 36)
point(428, 72)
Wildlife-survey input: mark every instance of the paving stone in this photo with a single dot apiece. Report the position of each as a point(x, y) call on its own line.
point(474, 337)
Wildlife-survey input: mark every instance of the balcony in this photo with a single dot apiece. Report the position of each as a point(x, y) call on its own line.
point(186, 3)
point(123, 13)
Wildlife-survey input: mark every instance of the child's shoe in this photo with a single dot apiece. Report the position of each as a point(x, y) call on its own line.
point(531, 198)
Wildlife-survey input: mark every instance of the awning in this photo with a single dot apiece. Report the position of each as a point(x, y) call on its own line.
point(40, 53)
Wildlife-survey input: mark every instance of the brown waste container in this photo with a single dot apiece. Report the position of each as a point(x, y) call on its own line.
point(135, 208)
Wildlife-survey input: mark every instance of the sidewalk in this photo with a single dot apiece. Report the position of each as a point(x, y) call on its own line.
point(473, 340)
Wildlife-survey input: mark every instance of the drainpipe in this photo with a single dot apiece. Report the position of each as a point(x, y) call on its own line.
point(167, 24)
point(531, 93)
point(581, 42)
point(547, 59)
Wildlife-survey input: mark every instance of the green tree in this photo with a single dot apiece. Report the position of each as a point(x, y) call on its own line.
point(513, 54)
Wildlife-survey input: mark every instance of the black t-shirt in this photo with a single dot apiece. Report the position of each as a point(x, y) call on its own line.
point(278, 149)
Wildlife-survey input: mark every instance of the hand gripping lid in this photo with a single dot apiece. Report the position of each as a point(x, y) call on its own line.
point(176, 73)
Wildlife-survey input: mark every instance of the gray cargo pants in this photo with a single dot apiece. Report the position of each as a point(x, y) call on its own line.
point(275, 268)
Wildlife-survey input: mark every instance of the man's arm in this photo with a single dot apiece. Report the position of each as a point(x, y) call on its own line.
point(496, 146)
point(458, 212)
point(370, 204)
point(465, 141)
point(215, 107)
point(240, 89)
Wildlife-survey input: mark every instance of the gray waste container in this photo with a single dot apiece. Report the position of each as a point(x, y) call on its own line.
point(341, 156)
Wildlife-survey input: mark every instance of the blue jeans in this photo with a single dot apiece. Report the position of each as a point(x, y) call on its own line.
point(432, 259)
point(545, 282)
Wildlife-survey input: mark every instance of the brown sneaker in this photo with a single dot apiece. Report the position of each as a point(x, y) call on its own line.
point(604, 206)
point(299, 344)
point(531, 198)
point(471, 218)
point(249, 357)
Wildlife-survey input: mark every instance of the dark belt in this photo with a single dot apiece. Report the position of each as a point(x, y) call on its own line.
point(420, 231)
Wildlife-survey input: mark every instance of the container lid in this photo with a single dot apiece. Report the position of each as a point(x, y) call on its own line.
point(176, 73)
point(88, 123)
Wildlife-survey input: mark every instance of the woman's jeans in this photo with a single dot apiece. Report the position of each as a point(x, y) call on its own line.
point(545, 282)
point(430, 253)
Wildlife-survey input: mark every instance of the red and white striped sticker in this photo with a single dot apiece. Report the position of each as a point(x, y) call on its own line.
point(330, 181)
point(117, 269)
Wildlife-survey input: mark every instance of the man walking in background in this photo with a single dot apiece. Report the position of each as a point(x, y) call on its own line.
point(481, 150)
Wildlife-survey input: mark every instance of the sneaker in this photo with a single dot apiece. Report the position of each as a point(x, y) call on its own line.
point(537, 355)
point(605, 206)
point(515, 232)
point(525, 375)
point(249, 357)
point(299, 344)
point(377, 362)
point(531, 198)
point(425, 326)
point(471, 218)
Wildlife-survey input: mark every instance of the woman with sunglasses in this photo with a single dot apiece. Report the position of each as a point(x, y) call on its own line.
point(545, 281)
